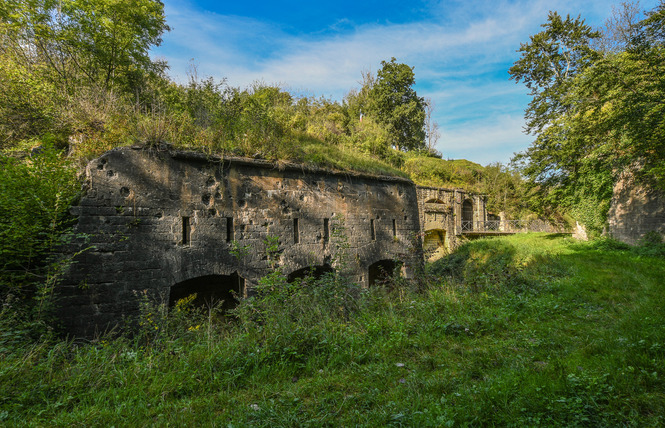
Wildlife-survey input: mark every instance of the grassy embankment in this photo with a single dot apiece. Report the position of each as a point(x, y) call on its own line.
point(524, 330)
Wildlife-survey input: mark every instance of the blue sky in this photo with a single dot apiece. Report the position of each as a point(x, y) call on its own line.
point(460, 50)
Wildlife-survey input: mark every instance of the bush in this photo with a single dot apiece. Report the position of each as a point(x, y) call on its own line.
point(651, 245)
point(35, 194)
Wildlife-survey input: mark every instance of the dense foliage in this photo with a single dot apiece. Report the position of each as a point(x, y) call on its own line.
point(395, 104)
point(77, 74)
point(34, 198)
point(596, 112)
point(521, 331)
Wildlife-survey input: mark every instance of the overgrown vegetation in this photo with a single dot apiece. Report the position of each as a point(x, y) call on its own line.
point(527, 330)
point(78, 74)
point(35, 195)
point(76, 80)
point(596, 111)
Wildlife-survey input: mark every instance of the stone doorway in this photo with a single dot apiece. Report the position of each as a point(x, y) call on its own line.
point(434, 244)
point(315, 272)
point(467, 215)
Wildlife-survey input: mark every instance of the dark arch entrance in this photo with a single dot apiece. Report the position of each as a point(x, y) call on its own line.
point(467, 215)
point(209, 290)
point(380, 272)
point(315, 272)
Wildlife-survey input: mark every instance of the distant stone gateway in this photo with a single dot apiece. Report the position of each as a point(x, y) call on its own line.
point(171, 223)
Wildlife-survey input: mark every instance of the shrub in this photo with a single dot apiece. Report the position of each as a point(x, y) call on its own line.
point(651, 245)
point(35, 194)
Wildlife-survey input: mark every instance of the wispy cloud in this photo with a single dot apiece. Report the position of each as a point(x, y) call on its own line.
point(461, 55)
point(491, 139)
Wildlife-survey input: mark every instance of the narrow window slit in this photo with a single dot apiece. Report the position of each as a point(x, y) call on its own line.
point(229, 229)
point(394, 228)
point(326, 230)
point(186, 231)
point(372, 230)
point(296, 232)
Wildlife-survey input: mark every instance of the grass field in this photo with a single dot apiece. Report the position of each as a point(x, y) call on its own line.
point(525, 330)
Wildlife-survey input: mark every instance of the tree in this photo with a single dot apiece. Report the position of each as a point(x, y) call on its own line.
point(357, 101)
point(394, 103)
point(564, 152)
point(620, 28)
point(503, 186)
point(548, 64)
point(103, 42)
point(65, 63)
point(431, 127)
point(641, 93)
point(595, 114)
point(110, 39)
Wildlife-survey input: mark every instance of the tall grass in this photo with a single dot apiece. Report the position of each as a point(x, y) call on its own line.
point(526, 330)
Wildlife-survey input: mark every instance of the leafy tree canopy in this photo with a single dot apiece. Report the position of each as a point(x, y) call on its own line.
point(549, 62)
point(394, 103)
point(105, 42)
point(595, 113)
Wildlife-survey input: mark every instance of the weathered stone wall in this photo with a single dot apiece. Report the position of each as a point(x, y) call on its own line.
point(158, 219)
point(635, 210)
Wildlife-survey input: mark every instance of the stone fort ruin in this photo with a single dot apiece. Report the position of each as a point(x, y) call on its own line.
point(175, 223)
point(635, 210)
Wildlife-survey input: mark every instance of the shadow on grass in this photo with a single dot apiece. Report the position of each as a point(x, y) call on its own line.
point(553, 236)
point(481, 265)
point(531, 262)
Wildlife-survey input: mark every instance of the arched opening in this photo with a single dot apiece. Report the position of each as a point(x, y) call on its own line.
point(209, 290)
point(493, 222)
point(315, 272)
point(434, 244)
point(380, 272)
point(434, 201)
point(467, 215)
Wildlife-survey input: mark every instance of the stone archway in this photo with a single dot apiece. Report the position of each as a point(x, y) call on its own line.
point(315, 272)
point(209, 290)
point(379, 272)
point(467, 215)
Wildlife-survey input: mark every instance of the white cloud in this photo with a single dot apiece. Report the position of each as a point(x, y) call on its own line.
point(494, 139)
point(460, 55)
point(246, 50)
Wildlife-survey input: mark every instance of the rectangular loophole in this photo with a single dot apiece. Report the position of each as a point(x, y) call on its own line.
point(326, 230)
point(371, 229)
point(296, 232)
point(186, 231)
point(394, 228)
point(229, 229)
